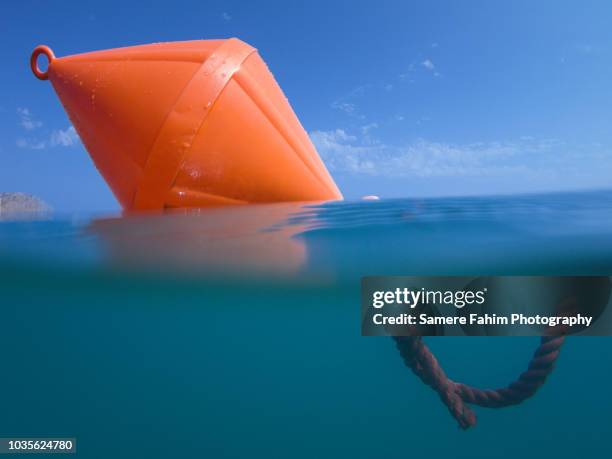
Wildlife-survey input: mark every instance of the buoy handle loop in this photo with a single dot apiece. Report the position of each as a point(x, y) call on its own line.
point(41, 49)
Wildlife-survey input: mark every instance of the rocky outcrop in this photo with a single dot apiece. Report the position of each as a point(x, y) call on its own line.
point(21, 204)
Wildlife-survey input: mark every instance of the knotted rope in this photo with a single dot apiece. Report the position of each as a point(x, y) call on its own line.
point(456, 396)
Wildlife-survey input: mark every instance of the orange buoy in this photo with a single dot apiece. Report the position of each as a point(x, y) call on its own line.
point(187, 124)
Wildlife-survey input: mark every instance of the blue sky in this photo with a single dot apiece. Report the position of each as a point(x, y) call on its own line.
point(400, 98)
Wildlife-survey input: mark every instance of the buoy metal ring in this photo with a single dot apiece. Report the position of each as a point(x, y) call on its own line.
point(41, 49)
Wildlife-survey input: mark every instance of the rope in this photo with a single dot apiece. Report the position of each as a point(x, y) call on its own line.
point(456, 396)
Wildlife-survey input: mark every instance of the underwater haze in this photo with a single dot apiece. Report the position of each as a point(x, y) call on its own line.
point(235, 332)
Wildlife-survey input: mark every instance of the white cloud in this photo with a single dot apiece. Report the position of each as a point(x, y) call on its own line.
point(58, 138)
point(65, 138)
point(428, 64)
point(342, 152)
point(422, 119)
point(346, 107)
point(331, 139)
point(31, 144)
point(226, 16)
point(346, 103)
point(365, 130)
point(423, 158)
point(26, 120)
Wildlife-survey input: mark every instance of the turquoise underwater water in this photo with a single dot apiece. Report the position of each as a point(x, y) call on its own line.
point(236, 332)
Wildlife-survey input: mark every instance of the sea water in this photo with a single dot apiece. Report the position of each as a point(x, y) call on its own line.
point(236, 332)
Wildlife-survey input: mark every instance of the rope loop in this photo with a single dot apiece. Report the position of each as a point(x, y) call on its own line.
point(417, 356)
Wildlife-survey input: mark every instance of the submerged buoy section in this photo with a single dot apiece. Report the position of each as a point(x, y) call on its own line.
point(187, 124)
